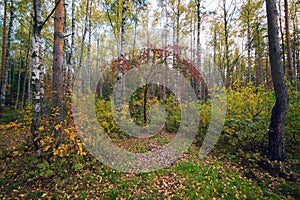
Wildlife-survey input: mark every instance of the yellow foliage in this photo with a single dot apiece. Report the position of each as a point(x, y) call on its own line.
point(80, 150)
point(61, 151)
point(41, 128)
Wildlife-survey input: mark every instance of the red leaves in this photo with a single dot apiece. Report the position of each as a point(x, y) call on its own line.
point(158, 56)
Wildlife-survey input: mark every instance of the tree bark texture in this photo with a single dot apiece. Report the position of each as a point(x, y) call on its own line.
point(276, 130)
point(38, 72)
point(3, 42)
point(123, 26)
point(290, 71)
point(6, 54)
point(57, 80)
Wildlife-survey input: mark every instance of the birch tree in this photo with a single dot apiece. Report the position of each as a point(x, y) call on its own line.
point(38, 71)
point(123, 26)
point(6, 54)
point(3, 56)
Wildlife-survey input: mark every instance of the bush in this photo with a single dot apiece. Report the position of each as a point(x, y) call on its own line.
point(248, 117)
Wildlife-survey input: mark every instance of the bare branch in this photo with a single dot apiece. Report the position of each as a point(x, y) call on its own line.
point(53, 10)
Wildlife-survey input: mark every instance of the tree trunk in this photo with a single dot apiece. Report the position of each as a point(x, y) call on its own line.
point(88, 60)
point(134, 39)
point(226, 32)
point(249, 42)
point(37, 78)
point(7, 55)
point(27, 71)
point(82, 46)
point(297, 55)
point(199, 45)
point(276, 130)
point(145, 103)
point(19, 79)
point(57, 80)
point(70, 61)
point(178, 23)
point(259, 53)
point(3, 50)
point(290, 71)
point(123, 26)
point(282, 38)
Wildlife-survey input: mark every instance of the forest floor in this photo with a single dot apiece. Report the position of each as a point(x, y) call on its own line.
point(220, 175)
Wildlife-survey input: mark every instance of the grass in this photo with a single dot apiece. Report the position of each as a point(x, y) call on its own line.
point(221, 175)
point(86, 178)
point(9, 116)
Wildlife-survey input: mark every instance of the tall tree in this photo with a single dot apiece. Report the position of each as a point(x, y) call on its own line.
point(249, 39)
point(37, 79)
point(3, 58)
point(290, 71)
point(123, 25)
point(276, 130)
point(88, 60)
point(57, 80)
point(83, 42)
point(38, 72)
point(226, 33)
point(19, 78)
point(71, 60)
point(199, 18)
point(27, 69)
point(282, 36)
point(7, 55)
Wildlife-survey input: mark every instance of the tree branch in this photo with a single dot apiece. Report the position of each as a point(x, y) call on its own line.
point(48, 17)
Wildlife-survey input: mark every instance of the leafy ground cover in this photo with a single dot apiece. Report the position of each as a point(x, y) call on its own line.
point(219, 176)
point(236, 169)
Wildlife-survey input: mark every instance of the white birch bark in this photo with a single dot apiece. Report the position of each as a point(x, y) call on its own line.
point(37, 78)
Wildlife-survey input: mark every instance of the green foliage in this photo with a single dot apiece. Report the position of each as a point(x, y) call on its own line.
point(9, 116)
point(292, 126)
point(136, 108)
point(174, 114)
point(162, 141)
point(287, 189)
point(138, 148)
point(106, 119)
point(247, 120)
point(248, 116)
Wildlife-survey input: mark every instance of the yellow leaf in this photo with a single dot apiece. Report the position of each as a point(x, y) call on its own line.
point(67, 131)
point(46, 148)
point(57, 127)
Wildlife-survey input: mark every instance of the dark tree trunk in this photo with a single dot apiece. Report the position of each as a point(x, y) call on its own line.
point(276, 130)
point(226, 32)
point(19, 79)
point(290, 71)
point(3, 42)
point(199, 46)
point(282, 38)
point(27, 71)
point(145, 103)
point(123, 24)
point(81, 70)
point(249, 43)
